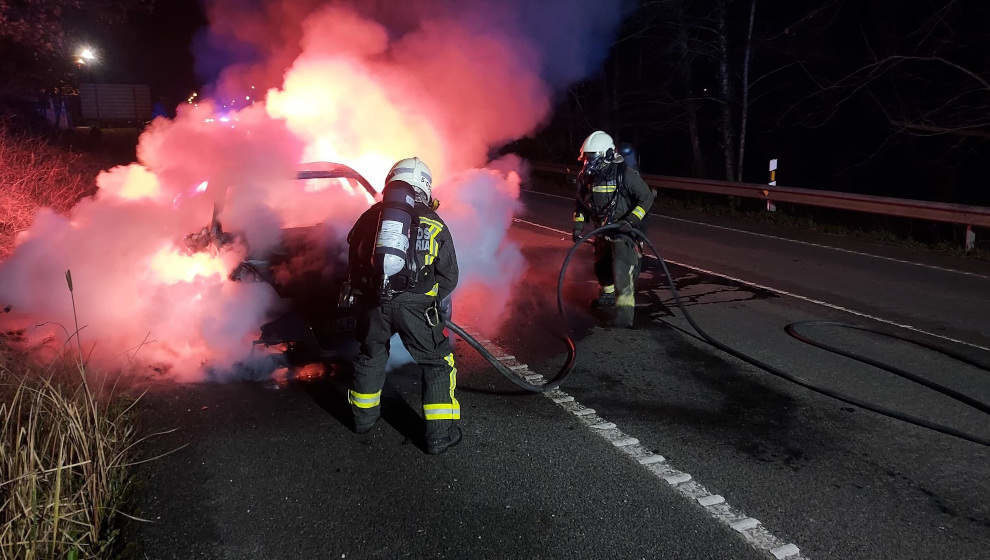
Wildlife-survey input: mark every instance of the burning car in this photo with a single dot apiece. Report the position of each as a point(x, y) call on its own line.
point(308, 271)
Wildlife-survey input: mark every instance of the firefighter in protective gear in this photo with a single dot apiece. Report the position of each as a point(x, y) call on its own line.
point(411, 305)
point(611, 192)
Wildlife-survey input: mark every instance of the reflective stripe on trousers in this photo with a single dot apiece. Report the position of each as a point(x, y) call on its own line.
point(627, 295)
point(445, 411)
point(364, 400)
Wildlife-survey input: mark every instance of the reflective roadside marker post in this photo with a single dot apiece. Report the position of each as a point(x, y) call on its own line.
point(970, 238)
point(771, 207)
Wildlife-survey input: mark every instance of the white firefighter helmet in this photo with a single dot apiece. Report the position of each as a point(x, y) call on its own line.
point(598, 143)
point(416, 174)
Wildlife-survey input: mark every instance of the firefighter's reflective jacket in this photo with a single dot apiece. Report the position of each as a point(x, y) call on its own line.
point(616, 193)
point(436, 262)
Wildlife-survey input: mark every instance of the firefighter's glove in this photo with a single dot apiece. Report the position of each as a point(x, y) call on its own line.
point(625, 226)
point(576, 235)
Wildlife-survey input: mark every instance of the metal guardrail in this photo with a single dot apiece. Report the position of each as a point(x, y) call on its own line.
point(888, 206)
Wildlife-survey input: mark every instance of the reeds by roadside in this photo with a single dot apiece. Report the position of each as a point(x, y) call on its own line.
point(65, 447)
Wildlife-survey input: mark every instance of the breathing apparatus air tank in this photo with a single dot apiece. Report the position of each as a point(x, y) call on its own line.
point(392, 246)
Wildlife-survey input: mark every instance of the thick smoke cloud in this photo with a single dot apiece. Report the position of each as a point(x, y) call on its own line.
point(568, 39)
point(363, 83)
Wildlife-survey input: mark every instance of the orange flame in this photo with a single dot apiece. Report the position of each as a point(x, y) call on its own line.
point(171, 266)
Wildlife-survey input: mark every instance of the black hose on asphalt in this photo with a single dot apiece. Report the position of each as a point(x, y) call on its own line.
point(554, 383)
point(792, 330)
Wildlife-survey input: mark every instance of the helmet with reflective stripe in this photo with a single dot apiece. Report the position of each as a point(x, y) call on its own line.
point(416, 174)
point(598, 143)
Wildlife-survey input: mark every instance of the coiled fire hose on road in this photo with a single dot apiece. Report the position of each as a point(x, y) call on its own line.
point(792, 329)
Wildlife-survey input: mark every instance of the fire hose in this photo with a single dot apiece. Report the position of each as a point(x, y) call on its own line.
point(793, 330)
point(554, 383)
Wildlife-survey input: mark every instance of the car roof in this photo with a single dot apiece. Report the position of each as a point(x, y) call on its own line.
point(331, 170)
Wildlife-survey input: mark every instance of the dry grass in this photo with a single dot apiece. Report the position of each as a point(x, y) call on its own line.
point(33, 174)
point(65, 449)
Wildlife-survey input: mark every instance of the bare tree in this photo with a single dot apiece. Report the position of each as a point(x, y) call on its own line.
point(725, 88)
point(920, 84)
point(691, 101)
point(744, 108)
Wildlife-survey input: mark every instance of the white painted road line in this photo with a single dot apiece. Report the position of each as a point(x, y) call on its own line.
point(830, 248)
point(786, 551)
point(675, 479)
point(714, 499)
point(796, 296)
point(829, 305)
point(751, 530)
point(798, 242)
point(746, 524)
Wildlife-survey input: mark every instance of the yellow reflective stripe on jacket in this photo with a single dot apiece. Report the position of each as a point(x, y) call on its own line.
point(434, 246)
point(435, 229)
point(603, 188)
point(430, 222)
point(638, 212)
point(446, 411)
point(435, 291)
point(364, 400)
point(578, 217)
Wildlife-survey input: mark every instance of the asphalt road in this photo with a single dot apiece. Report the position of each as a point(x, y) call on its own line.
point(898, 284)
point(275, 473)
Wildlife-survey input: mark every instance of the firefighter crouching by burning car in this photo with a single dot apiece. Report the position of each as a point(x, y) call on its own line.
point(402, 265)
point(611, 192)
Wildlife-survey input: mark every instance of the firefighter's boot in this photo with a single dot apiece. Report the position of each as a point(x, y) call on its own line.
point(606, 298)
point(438, 446)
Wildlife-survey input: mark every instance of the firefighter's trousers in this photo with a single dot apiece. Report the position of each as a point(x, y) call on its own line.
point(406, 315)
point(617, 265)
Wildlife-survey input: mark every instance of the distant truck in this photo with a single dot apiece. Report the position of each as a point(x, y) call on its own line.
point(115, 105)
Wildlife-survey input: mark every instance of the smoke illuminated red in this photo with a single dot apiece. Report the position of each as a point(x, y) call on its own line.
point(350, 92)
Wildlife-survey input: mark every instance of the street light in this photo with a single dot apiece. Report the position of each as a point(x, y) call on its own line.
point(85, 55)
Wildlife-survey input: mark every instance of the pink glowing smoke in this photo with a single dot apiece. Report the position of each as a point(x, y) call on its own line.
point(346, 89)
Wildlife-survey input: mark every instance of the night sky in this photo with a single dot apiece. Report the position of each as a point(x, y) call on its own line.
point(153, 48)
point(830, 127)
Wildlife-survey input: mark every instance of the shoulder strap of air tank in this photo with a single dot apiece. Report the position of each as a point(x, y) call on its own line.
point(411, 263)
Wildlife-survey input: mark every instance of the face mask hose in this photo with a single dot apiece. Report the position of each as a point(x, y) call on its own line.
point(792, 329)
